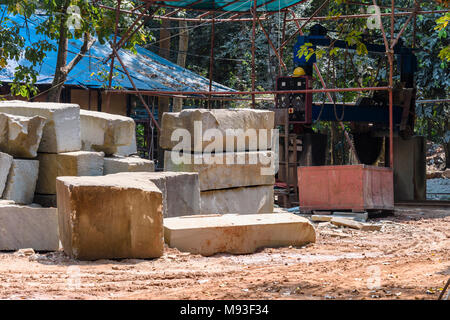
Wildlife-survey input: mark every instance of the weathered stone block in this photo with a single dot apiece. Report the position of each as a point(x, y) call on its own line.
point(77, 163)
point(225, 170)
point(5, 165)
point(105, 132)
point(20, 136)
point(181, 192)
point(110, 217)
point(61, 132)
point(240, 127)
point(21, 182)
point(248, 200)
point(28, 227)
point(127, 164)
point(128, 150)
point(237, 234)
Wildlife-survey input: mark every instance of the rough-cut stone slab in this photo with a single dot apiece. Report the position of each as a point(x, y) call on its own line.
point(28, 227)
point(248, 200)
point(181, 192)
point(61, 132)
point(219, 120)
point(5, 165)
point(21, 182)
point(105, 132)
point(360, 217)
point(237, 234)
point(128, 150)
point(77, 163)
point(345, 222)
point(46, 200)
point(127, 164)
point(20, 136)
point(225, 170)
point(110, 217)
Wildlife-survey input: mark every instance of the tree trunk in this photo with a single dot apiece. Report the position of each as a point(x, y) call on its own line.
point(447, 154)
point(54, 94)
point(183, 43)
point(63, 68)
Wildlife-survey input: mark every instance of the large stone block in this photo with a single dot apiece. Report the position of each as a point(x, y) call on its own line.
point(247, 200)
point(127, 164)
point(105, 132)
point(225, 170)
point(5, 165)
point(237, 234)
point(110, 217)
point(20, 136)
point(181, 192)
point(128, 150)
point(61, 132)
point(21, 182)
point(77, 163)
point(28, 227)
point(248, 123)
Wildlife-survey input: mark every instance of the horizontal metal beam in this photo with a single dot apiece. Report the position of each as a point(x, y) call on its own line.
point(231, 93)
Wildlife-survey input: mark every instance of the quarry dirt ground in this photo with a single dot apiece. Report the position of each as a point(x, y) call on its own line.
point(408, 259)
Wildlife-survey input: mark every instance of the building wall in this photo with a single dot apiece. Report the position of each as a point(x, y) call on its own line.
point(81, 97)
point(118, 101)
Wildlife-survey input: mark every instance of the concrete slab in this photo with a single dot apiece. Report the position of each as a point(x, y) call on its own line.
point(345, 222)
point(20, 136)
point(28, 227)
point(110, 217)
point(5, 165)
point(77, 163)
point(127, 164)
point(101, 131)
point(21, 182)
point(246, 200)
point(226, 170)
point(237, 234)
point(246, 122)
point(61, 132)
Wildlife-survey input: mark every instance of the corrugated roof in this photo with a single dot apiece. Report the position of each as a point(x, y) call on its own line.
point(231, 5)
point(148, 70)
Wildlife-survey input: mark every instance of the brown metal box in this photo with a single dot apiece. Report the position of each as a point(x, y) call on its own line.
point(350, 187)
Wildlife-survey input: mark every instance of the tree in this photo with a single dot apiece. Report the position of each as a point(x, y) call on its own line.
point(181, 59)
point(71, 19)
point(13, 48)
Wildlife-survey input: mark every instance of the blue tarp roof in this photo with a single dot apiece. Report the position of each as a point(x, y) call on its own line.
point(232, 5)
point(148, 70)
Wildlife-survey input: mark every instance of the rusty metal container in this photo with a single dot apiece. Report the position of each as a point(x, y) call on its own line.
point(349, 187)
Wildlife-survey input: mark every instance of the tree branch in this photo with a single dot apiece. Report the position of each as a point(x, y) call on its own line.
point(87, 44)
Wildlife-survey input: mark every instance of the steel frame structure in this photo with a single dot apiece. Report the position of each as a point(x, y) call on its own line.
point(142, 15)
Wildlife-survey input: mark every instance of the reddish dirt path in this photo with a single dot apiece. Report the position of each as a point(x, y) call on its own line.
point(410, 255)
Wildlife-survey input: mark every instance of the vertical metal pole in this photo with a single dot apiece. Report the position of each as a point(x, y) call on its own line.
point(253, 52)
point(211, 60)
point(283, 35)
point(391, 85)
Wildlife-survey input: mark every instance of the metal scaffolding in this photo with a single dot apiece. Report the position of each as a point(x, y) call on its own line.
point(255, 14)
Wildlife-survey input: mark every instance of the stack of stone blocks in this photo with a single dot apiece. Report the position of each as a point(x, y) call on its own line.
point(42, 141)
point(238, 176)
point(112, 205)
point(231, 150)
